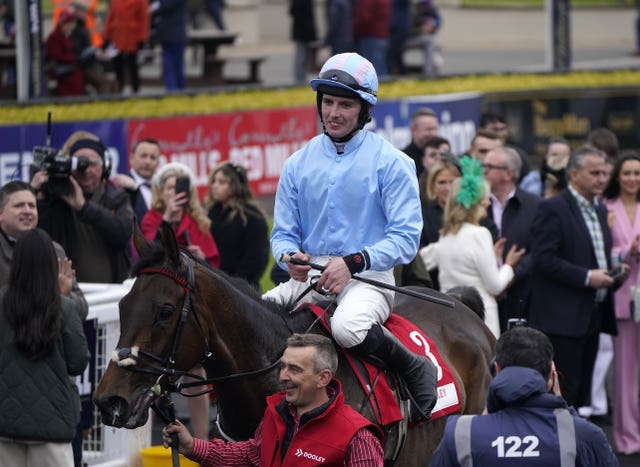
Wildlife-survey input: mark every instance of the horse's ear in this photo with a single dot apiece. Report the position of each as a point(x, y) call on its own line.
point(141, 243)
point(169, 243)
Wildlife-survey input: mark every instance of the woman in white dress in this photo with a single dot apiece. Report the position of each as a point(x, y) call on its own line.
point(465, 253)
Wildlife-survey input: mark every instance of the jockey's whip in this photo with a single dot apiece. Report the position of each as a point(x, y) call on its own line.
point(285, 258)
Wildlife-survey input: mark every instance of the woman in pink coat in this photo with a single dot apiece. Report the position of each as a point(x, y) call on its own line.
point(127, 28)
point(623, 202)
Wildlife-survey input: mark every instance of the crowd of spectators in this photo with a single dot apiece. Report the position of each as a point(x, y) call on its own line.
point(545, 256)
point(82, 49)
point(573, 222)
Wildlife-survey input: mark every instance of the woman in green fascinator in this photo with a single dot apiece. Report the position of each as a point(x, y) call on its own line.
point(464, 253)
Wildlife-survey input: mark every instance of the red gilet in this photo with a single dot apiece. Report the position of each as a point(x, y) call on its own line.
point(322, 440)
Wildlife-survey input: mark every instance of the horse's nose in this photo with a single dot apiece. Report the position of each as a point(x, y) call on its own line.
point(114, 410)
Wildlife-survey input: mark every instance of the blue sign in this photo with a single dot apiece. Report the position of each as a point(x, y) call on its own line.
point(17, 142)
point(457, 117)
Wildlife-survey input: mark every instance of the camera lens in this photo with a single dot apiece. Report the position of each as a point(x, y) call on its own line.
point(80, 164)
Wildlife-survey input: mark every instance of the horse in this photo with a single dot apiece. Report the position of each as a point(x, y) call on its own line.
point(180, 312)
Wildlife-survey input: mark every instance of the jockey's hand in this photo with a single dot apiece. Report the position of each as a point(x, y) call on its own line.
point(185, 440)
point(335, 276)
point(299, 272)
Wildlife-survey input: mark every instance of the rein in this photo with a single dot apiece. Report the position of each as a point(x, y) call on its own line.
point(130, 358)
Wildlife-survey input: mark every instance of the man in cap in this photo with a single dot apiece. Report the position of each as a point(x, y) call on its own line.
point(87, 214)
point(349, 200)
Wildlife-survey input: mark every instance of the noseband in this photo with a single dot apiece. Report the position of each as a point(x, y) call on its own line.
point(128, 358)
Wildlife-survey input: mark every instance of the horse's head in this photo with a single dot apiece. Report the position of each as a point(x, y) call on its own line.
point(159, 334)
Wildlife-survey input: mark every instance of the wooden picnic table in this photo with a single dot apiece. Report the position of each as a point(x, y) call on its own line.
point(213, 63)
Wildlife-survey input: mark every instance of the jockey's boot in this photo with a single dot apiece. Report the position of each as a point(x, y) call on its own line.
point(418, 372)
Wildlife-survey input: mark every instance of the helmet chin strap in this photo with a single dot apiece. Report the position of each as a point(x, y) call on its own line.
point(340, 141)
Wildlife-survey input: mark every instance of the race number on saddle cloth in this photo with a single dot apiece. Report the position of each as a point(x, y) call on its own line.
point(383, 402)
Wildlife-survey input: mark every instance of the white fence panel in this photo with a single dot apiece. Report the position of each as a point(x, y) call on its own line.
point(105, 446)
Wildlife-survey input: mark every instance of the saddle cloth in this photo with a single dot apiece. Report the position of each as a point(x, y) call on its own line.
point(383, 401)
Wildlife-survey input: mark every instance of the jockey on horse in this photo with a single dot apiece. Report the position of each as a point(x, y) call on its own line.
point(349, 200)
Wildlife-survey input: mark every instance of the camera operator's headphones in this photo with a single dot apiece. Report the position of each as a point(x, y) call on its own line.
point(99, 147)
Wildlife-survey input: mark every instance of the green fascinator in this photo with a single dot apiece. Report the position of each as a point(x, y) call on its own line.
point(472, 182)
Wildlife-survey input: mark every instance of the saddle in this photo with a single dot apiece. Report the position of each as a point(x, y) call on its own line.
point(386, 393)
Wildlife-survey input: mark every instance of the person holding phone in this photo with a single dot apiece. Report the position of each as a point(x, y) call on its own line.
point(622, 196)
point(174, 200)
point(571, 250)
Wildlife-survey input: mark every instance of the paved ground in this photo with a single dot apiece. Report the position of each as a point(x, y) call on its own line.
point(480, 41)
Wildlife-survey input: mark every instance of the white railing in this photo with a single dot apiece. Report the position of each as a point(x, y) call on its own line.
point(105, 446)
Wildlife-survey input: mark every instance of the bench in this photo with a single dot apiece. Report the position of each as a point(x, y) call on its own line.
point(214, 69)
point(314, 61)
point(413, 53)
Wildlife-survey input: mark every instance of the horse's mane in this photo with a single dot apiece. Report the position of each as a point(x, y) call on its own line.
point(155, 256)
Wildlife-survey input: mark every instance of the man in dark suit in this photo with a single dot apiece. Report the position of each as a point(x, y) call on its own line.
point(572, 297)
point(423, 126)
point(512, 211)
point(143, 163)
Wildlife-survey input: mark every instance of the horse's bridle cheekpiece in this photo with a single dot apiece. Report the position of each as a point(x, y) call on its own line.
point(140, 361)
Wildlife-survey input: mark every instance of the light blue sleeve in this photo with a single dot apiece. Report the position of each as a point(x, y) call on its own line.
point(286, 235)
point(401, 206)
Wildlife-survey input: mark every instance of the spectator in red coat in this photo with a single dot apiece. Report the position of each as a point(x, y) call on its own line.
point(371, 25)
point(127, 28)
point(183, 211)
point(62, 60)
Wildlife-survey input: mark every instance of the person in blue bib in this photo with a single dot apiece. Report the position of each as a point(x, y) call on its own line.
point(528, 421)
point(349, 200)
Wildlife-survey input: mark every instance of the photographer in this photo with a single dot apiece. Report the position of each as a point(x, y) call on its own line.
point(83, 211)
point(528, 422)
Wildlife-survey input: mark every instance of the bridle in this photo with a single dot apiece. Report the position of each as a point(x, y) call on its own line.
point(129, 358)
point(165, 366)
point(140, 361)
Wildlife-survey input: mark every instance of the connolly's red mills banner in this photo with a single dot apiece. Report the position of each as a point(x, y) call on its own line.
point(260, 141)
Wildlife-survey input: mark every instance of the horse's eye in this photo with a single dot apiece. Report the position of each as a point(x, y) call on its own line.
point(165, 312)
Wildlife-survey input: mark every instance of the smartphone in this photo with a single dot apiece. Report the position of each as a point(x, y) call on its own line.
point(183, 185)
point(615, 272)
point(516, 322)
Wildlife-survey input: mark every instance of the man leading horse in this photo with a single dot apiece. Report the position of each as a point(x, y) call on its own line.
point(348, 200)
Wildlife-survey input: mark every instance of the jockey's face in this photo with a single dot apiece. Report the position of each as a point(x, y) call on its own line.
point(304, 387)
point(340, 114)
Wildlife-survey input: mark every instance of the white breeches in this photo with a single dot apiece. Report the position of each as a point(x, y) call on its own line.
point(360, 305)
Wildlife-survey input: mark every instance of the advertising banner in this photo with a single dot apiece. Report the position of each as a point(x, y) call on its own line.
point(537, 118)
point(458, 115)
point(260, 141)
point(17, 142)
